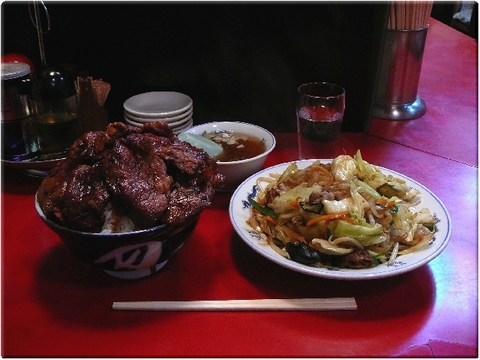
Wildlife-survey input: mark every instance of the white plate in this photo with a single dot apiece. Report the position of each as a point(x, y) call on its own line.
point(179, 122)
point(179, 129)
point(133, 123)
point(158, 104)
point(175, 118)
point(240, 210)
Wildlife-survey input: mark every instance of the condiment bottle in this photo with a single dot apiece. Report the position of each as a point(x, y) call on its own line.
point(19, 141)
point(54, 99)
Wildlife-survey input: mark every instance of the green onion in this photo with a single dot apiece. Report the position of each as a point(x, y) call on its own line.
point(263, 209)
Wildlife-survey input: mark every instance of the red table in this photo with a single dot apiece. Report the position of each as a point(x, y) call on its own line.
point(448, 85)
point(54, 305)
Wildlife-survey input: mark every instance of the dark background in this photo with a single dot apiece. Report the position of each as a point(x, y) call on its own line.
point(238, 61)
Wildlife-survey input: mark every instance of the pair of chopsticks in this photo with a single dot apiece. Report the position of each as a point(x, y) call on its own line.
point(409, 15)
point(304, 304)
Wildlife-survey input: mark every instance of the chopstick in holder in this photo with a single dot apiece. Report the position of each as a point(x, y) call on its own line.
point(304, 304)
point(409, 15)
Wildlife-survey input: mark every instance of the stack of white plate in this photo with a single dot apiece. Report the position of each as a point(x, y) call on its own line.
point(174, 108)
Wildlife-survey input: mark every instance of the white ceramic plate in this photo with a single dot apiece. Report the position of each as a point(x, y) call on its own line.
point(179, 129)
point(158, 104)
point(240, 210)
point(134, 123)
point(180, 122)
point(179, 117)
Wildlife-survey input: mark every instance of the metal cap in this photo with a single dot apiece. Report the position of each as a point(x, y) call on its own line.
point(13, 70)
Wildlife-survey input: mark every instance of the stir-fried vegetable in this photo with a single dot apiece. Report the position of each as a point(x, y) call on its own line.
point(263, 209)
point(346, 214)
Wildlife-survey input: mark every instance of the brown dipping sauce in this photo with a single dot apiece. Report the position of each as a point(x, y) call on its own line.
point(236, 146)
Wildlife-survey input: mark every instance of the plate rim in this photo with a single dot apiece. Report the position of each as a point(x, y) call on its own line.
point(146, 97)
point(33, 164)
point(341, 274)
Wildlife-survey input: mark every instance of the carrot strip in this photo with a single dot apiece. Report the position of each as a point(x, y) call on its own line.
point(327, 217)
point(294, 204)
point(293, 235)
point(346, 218)
point(270, 219)
point(383, 201)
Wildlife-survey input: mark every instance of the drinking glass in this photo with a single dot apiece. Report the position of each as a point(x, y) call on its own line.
point(320, 109)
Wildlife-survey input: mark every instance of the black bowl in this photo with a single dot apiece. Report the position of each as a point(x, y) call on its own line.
point(128, 255)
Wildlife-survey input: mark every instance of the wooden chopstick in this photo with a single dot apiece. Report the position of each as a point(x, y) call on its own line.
point(305, 304)
point(409, 15)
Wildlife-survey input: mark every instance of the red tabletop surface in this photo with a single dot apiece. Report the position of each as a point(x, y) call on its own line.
point(448, 85)
point(55, 305)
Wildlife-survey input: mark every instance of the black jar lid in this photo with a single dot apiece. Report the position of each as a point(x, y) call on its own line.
point(52, 83)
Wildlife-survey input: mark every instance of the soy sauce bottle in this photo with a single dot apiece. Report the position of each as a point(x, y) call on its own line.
point(55, 103)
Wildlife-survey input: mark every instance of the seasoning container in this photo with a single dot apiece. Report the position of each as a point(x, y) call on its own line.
point(91, 96)
point(19, 140)
point(54, 100)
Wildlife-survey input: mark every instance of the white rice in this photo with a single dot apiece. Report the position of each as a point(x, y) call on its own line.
point(115, 223)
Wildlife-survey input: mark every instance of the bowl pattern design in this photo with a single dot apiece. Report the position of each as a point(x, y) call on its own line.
point(131, 254)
